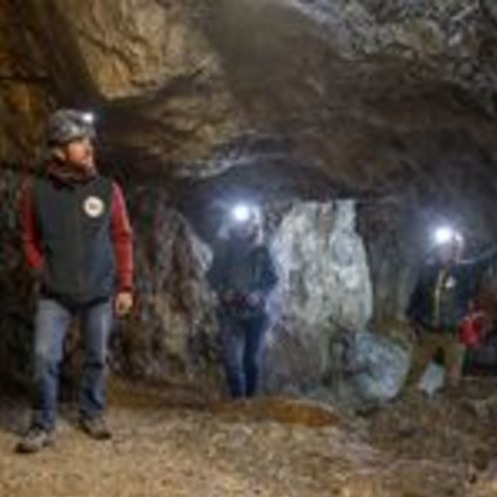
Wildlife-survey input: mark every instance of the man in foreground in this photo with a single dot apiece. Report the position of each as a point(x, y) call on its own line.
point(77, 241)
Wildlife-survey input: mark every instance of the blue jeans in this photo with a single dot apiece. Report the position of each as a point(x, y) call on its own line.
point(51, 324)
point(242, 340)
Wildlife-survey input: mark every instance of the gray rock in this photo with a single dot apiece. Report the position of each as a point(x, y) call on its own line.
point(324, 286)
point(366, 367)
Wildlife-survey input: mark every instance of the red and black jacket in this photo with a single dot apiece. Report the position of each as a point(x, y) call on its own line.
point(77, 236)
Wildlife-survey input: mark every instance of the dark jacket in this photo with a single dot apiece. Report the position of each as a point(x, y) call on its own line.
point(74, 233)
point(443, 294)
point(242, 268)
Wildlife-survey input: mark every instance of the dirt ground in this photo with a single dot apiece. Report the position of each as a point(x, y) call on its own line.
point(169, 444)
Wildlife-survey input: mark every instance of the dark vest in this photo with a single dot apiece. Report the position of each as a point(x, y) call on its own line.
point(75, 233)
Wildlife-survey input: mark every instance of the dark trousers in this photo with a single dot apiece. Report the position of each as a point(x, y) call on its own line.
point(51, 324)
point(242, 340)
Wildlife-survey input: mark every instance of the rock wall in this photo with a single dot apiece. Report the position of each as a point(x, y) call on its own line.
point(395, 100)
point(453, 40)
point(172, 334)
point(16, 290)
point(23, 94)
point(324, 287)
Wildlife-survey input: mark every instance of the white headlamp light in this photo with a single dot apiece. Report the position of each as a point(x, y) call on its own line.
point(88, 118)
point(241, 213)
point(446, 234)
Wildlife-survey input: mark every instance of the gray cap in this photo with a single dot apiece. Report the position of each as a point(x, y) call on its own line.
point(66, 125)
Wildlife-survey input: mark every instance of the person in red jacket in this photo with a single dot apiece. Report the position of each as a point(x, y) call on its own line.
point(77, 240)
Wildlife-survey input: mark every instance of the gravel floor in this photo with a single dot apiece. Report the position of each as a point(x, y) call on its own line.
point(273, 447)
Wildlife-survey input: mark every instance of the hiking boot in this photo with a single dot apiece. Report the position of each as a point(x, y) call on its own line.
point(35, 439)
point(95, 428)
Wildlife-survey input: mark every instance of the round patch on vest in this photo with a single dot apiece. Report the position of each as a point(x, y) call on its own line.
point(94, 206)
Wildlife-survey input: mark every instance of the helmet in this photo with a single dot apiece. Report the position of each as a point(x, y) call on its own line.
point(66, 125)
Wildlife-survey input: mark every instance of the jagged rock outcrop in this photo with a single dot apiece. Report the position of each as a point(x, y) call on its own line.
point(172, 331)
point(324, 287)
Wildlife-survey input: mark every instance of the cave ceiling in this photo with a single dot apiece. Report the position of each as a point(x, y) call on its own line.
point(377, 94)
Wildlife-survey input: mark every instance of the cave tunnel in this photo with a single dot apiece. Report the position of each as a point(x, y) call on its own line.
point(356, 130)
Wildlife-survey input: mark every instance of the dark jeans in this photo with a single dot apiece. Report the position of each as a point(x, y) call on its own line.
point(241, 344)
point(51, 324)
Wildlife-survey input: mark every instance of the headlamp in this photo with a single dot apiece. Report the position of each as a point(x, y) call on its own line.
point(88, 118)
point(241, 213)
point(446, 234)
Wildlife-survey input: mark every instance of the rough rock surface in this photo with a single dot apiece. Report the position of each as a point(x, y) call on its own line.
point(172, 330)
point(324, 286)
point(16, 289)
point(323, 267)
point(23, 94)
point(173, 78)
point(452, 39)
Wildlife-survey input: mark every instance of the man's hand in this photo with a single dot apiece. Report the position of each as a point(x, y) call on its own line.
point(123, 303)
